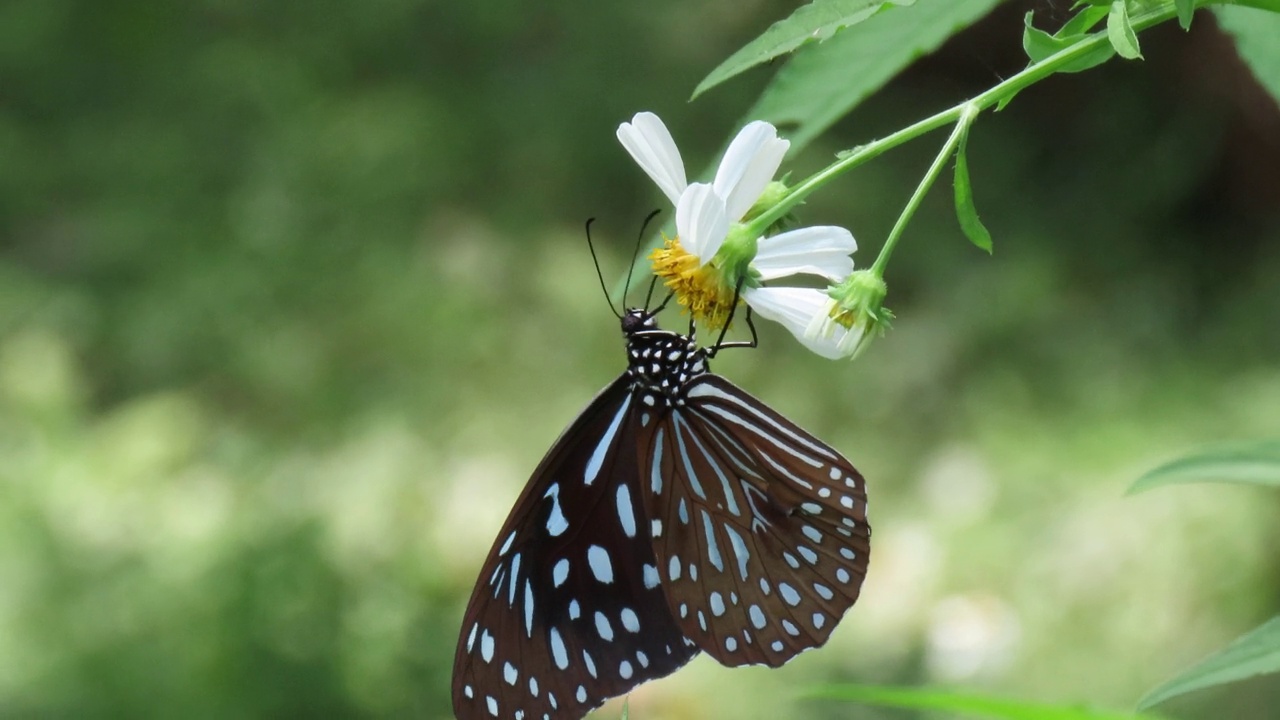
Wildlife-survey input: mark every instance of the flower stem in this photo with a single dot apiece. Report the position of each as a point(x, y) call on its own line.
point(996, 94)
point(968, 112)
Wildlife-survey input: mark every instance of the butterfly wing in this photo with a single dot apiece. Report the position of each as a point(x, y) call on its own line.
point(568, 610)
point(759, 529)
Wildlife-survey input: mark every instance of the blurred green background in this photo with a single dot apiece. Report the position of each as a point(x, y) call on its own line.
point(293, 296)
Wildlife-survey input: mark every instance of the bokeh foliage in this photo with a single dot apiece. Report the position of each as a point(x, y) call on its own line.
point(294, 295)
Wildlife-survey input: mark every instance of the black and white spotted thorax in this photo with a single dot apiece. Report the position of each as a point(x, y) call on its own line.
point(660, 363)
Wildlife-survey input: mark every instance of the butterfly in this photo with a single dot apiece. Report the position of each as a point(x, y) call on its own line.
point(676, 515)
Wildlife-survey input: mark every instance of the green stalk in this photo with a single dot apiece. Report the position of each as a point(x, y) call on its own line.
point(967, 115)
point(987, 99)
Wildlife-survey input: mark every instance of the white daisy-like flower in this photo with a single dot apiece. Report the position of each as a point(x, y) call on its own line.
point(712, 253)
point(838, 322)
point(807, 313)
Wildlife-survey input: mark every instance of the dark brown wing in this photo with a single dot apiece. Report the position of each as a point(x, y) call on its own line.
point(759, 529)
point(569, 610)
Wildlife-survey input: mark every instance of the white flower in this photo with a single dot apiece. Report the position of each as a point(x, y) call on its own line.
point(806, 312)
point(707, 213)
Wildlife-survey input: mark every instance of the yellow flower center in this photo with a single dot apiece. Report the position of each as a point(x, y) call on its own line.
point(842, 316)
point(699, 288)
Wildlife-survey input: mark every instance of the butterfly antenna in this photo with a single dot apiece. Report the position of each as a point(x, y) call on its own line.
point(649, 295)
point(635, 254)
point(596, 261)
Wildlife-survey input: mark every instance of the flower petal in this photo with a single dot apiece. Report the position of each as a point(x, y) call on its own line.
point(794, 309)
point(823, 250)
point(652, 147)
point(701, 222)
point(747, 167)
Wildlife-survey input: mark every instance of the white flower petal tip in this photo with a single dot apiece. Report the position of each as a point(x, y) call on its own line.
point(822, 250)
point(838, 340)
point(650, 144)
point(701, 223)
point(749, 164)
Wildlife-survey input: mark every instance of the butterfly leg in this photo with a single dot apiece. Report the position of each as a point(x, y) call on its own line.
point(720, 343)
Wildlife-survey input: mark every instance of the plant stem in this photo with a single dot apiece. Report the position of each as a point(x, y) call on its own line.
point(997, 93)
point(967, 114)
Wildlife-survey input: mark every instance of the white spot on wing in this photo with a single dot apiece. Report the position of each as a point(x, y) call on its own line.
point(809, 555)
point(603, 627)
point(789, 594)
point(650, 577)
point(556, 522)
point(717, 604)
point(528, 609)
point(602, 448)
point(558, 652)
point(515, 573)
point(626, 515)
point(655, 476)
point(630, 620)
point(713, 549)
point(598, 559)
point(506, 544)
point(739, 550)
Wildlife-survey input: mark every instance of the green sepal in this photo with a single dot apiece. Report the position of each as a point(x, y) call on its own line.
point(734, 257)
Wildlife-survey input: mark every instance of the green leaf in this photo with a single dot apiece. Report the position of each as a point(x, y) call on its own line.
point(1256, 36)
point(1039, 44)
point(818, 20)
point(1120, 32)
point(1083, 21)
point(1185, 8)
point(966, 213)
point(1254, 653)
point(977, 705)
point(816, 87)
point(1252, 463)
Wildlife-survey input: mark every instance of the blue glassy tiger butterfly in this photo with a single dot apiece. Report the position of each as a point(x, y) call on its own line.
point(677, 514)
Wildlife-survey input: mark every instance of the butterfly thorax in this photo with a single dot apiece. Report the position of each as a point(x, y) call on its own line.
point(660, 363)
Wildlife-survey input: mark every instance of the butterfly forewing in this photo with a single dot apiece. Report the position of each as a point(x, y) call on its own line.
point(759, 528)
point(569, 610)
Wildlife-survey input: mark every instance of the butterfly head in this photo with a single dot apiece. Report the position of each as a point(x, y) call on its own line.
point(636, 320)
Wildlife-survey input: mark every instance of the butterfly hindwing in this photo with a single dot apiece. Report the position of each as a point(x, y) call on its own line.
point(568, 610)
point(759, 528)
